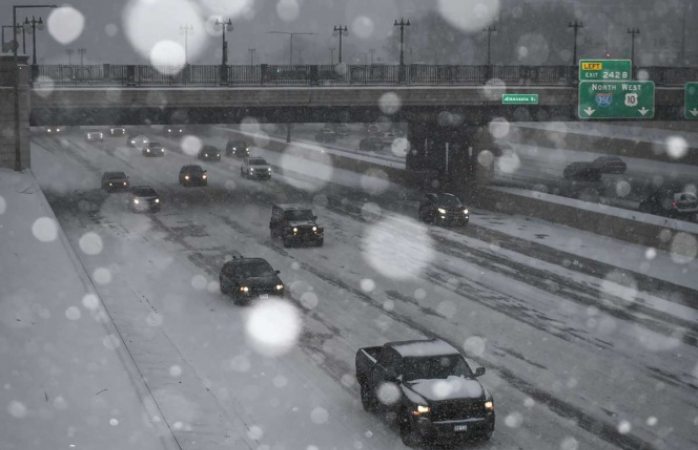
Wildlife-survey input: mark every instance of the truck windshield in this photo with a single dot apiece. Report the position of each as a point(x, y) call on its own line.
point(299, 214)
point(435, 367)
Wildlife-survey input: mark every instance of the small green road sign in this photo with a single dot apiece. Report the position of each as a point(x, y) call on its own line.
point(519, 99)
point(605, 69)
point(616, 100)
point(690, 104)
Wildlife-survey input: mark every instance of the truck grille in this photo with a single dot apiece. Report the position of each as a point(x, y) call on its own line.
point(457, 410)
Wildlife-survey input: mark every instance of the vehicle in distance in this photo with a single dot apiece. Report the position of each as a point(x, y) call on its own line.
point(581, 171)
point(443, 208)
point(144, 199)
point(609, 164)
point(117, 131)
point(114, 181)
point(137, 140)
point(371, 143)
point(295, 224)
point(407, 379)
point(255, 167)
point(340, 128)
point(209, 153)
point(173, 131)
point(153, 149)
point(94, 135)
point(326, 135)
point(671, 202)
point(193, 175)
point(54, 130)
point(244, 279)
point(237, 147)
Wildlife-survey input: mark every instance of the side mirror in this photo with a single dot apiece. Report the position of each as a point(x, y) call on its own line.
point(480, 371)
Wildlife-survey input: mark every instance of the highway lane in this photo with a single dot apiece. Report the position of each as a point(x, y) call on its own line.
point(524, 326)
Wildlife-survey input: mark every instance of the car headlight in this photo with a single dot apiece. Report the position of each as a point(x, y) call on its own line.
point(49, 130)
point(169, 130)
point(269, 169)
point(279, 287)
point(125, 183)
point(110, 184)
point(421, 409)
point(147, 150)
point(186, 177)
point(180, 130)
point(489, 405)
point(135, 201)
point(465, 211)
point(206, 155)
point(204, 176)
point(441, 211)
point(314, 228)
point(295, 230)
point(251, 169)
point(244, 289)
point(157, 200)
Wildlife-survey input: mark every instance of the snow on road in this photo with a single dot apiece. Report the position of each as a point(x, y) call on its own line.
point(546, 334)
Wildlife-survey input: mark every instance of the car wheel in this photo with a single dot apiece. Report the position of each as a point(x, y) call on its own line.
point(408, 434)
point(320, 243)
point(366, 398)
point(487, 435)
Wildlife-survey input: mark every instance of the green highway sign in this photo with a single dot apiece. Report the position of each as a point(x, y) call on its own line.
point(690, 104)
point(605, 69)
point(616, 100)
point(519, 99)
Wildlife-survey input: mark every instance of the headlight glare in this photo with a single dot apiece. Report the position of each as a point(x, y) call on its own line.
point(421, 409)
point(135, 200)
point(244, 289)
point(295, 230)
point(489, 405)
point(465, 211)
point(157, 200)
point(279, 287)
point(441, 211)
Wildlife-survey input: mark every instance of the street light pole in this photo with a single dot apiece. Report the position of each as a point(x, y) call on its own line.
point(34, 22)
point(490, 29)
point(225, 25)
point(252, 52)
point(633, 32)
point(331, 56)
point(186, 29)
point(82, 52)
point(340, 30)
point(576, 25)
point(402, 24)
point(18, 149)
point(372, 51)
point(70, 52)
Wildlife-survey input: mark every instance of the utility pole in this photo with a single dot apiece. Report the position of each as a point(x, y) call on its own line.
point(372, 51)
point(682, 49)
point(34, 23)
point(633, 32)
point(225, 26)
point(186, 29)
point(402, 24)
point(82, 52)
point(69, 52)
point(339, 30)
point(490, 29)
point(576, 25)
point(331, 56)
point(290, 35)
point(252, 52)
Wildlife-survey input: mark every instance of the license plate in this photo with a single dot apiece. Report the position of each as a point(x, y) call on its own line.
point(264, 296)
point(460, 428)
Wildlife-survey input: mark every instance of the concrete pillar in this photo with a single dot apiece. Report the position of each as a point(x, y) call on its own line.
point(8, 115)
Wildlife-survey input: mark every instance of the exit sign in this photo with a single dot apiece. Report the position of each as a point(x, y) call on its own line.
point(690, 108)
point(519, 99)
point(605, 69)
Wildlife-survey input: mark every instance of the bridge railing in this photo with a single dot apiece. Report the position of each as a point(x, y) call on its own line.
point(328, 75)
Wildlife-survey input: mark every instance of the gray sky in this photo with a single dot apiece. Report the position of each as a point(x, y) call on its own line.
point(106, 27)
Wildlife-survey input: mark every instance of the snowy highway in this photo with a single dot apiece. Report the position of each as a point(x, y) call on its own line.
point(576, 358)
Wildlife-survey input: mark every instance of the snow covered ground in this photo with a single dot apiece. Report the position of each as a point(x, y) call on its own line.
point(575, 360)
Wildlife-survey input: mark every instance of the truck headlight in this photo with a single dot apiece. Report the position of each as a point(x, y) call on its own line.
point(186, 177)
point(441, 211)
point(279, 287)
point(204, 176)
point(295, 230)
point(314, 228)
point(135, 201)
point(157, 200)
point(465, 211)
point(421, 409)
point(489, 405)
point(244, 289)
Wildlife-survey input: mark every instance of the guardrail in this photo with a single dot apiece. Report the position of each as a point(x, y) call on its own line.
point(328, 75)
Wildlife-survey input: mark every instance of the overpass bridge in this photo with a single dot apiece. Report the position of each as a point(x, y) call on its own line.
point(447, 108)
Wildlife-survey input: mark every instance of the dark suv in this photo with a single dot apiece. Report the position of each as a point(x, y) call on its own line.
point(443, 208)
point(114, 181)
point(237, 148)
point(193, 175)
point(295, 224)
point(246, 278)
point(209, 153)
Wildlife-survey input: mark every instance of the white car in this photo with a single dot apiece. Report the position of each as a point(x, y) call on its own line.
point(255, 167)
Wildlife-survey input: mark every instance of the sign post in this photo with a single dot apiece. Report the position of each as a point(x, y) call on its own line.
point(605, 69)
point(690, 104)
point(616, 100)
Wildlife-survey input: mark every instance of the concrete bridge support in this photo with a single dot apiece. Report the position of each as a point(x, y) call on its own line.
point(447, 157)
point(11, 123)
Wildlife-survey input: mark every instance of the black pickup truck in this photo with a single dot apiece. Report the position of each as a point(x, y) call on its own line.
point(431, 388)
